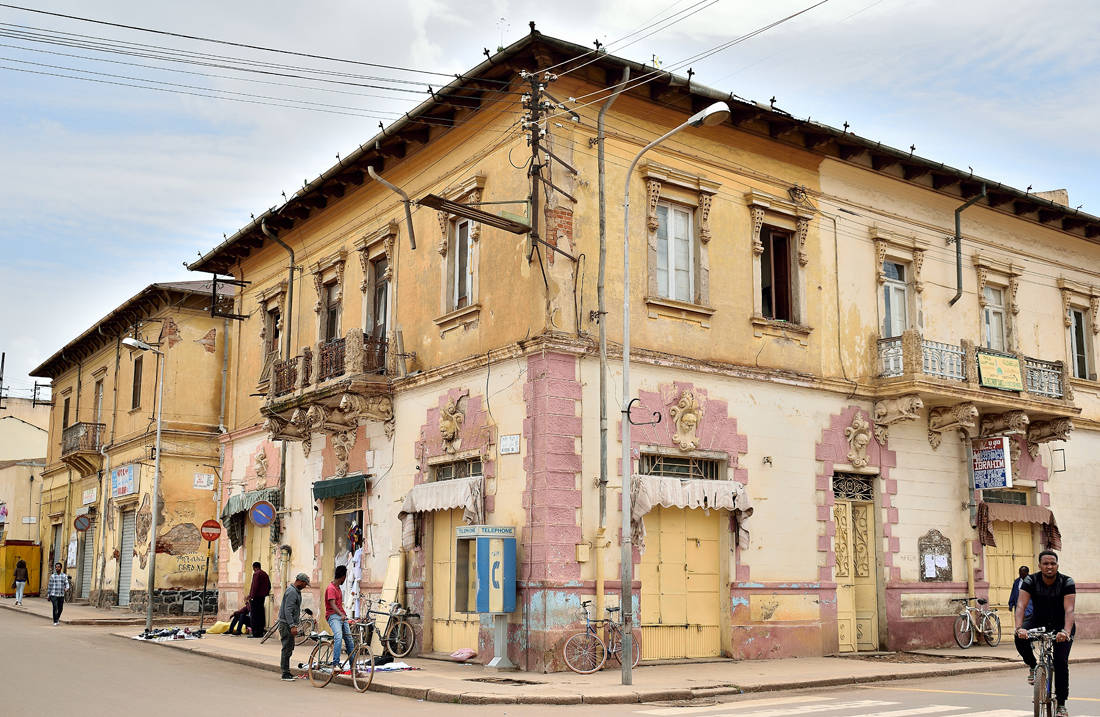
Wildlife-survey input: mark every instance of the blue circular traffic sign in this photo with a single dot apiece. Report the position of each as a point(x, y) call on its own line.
point(261, 513)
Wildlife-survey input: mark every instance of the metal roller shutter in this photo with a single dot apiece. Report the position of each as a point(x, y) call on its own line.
point(88, 564)
point(126, 558)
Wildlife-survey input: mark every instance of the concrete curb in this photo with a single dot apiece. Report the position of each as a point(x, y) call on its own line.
point(106, 621)
point(445, 696)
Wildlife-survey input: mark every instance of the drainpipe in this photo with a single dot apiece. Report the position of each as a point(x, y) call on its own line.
point(287, 323)
point(601, 540)
point(958, 247)
point(105, 498)
point(225, 372)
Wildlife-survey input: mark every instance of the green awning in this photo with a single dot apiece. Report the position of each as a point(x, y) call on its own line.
point(336, 487)
point(243, 501)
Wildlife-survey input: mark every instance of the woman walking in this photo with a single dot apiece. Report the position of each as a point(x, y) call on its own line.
point(20, 580)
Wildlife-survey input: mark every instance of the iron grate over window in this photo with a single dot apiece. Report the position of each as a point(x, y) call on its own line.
point(458, 469)
point(1012, 497)
point(679, 467)
point(346, 503)
point(851, 486)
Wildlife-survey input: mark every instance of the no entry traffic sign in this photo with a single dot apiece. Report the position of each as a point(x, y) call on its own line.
point(210, 531)
point(261, 513)
point(82, 523)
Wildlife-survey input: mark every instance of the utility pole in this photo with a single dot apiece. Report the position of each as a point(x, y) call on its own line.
point(535, 104)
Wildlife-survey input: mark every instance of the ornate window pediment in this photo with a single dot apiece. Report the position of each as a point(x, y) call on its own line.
point(779, 231)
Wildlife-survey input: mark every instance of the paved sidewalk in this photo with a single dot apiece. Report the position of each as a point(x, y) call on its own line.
point(75, 614)
point(443, 681)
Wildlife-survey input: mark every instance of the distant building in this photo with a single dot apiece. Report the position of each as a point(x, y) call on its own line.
point(23, 433)
point(100, 455)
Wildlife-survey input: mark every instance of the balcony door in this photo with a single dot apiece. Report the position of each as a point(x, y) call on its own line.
point(895, 300)
point(99, 401)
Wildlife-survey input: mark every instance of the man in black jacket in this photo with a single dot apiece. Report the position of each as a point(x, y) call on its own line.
point(257, 595)
point(1054, 597)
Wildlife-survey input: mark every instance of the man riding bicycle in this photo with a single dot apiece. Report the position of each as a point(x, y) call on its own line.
point(1053, 596)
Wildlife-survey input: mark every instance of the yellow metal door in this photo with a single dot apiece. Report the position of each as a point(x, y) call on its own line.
point(1015, 547)
point(856, 576)
point(845, 580)
point(681, 595)
point(451, 630)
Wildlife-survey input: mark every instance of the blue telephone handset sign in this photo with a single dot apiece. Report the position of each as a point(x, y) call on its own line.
point(496, 566)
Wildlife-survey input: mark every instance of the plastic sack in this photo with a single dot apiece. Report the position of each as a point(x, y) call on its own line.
point(218, 628)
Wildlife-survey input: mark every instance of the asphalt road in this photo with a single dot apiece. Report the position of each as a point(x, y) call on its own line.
point(70, 670)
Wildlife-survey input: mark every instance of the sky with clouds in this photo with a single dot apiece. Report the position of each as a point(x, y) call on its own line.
point(107, 188)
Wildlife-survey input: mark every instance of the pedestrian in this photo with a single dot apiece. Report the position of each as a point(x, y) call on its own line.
point(289, 614)
point(55, 590)
point(336, 617)
point(1014, 597)
point(257, 594)
point(19, 580)
point(239, 620)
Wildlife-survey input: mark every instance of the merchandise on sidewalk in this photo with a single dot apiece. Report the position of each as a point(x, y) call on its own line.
point(168, 634)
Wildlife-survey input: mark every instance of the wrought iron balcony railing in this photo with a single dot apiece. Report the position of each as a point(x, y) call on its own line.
point(82, 438)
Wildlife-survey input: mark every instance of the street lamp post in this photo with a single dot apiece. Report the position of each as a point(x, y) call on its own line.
point(710, 116)
point(135, 345)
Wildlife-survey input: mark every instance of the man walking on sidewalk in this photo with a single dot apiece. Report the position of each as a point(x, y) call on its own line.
point(257, 595)
point(55, 590)
point(289, 614)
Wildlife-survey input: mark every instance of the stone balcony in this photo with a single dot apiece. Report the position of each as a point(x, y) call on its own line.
point(80, 445)
point(328, 387)
point(944, 377)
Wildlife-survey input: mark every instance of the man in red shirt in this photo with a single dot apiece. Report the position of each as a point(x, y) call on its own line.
point(335, 615)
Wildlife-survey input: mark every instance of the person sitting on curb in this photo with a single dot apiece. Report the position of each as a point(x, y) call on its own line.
point(238, 621)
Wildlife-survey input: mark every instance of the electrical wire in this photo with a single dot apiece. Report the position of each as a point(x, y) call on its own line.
point(230, 43)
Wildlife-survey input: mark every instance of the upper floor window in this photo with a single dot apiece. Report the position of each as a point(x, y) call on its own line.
point(994, 326)
point(775, 276)
point(381, 296)
point(675, 252)
point(895, 299)
point(461, 264)
point(679, 467)
point(65, 414)
point(271, 330)
point(1080, 344)
point(330, 312)
point(99, 401)
point(135, 395)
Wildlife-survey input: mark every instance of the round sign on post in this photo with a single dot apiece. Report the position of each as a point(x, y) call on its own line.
point(210, 531)
point(261, 513)
point(82, 523)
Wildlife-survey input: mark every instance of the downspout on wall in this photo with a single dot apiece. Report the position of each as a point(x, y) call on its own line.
point(287, 324)
point(958, 247)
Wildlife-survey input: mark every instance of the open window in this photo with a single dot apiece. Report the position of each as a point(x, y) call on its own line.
point(998, 283)
point(780, 229)
point(328, 279)
point(376, 260)
point(1080, 305)
point(272, 305)
point(459, 250)
point(898, 261)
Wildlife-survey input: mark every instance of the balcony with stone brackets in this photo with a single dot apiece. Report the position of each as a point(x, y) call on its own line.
point(328, 387)
point(913, 372)
point(80, 445)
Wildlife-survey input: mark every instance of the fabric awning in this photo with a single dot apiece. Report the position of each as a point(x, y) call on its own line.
point(233, 514)
point(465, 493)
point(649, 491)
point(1011, 513)
point(336, 487)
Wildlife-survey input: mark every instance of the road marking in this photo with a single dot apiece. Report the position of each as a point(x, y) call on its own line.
point(728, 706)
point(809, 709)
point(942, 692)
point(926, 710)
point(1000, 713)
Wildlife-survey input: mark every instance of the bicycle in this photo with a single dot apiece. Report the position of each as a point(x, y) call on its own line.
point(359, 661)
point(976, 617)
point(306, 625)
point(1043, 697)
point(586, 652)
point(399, 636)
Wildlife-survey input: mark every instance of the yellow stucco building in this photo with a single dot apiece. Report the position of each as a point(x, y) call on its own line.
point(101, 449)
point(794, 322)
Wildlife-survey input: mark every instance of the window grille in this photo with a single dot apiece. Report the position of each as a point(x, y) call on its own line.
point(679, 467)
point(466, 468)
point(1012, 497)
point(849, 486)
point(346, 503)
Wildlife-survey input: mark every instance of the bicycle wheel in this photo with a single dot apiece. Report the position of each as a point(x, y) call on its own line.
point(305, 627)
point(615, 648)
point(964, 635)
point(991, 629)
point(400, 638)
point(1042, 693)
point(584, 653)
point(270, 631)
point(362, 668)
point(320, 664)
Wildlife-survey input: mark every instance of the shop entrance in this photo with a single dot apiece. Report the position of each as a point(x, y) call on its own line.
point(87, 562)
point(126, 558)
point(681, 578)
point(856, 552)
point(451, 630)
point(1015, 547)
point(343, 540)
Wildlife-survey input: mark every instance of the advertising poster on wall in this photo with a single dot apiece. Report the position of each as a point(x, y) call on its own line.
point(122, 481)
point(992, 463)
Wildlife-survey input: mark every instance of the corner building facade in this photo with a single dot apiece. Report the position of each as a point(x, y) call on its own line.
point(791, 325)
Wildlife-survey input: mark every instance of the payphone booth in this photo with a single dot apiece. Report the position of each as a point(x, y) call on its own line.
point(485, 579)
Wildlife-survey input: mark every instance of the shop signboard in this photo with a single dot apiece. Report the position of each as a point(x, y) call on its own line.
point(122, 481)
point(1000, 371)
point(992, 463)
point(88, 497)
